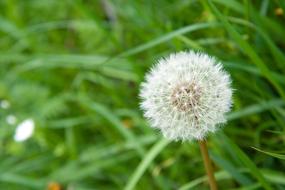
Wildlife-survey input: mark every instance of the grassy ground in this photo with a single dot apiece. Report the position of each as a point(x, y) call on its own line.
point(75, 66)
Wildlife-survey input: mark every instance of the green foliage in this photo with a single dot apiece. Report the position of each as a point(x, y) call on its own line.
point(75, 66)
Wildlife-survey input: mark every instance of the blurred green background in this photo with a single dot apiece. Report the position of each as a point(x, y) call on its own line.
point(72, 69)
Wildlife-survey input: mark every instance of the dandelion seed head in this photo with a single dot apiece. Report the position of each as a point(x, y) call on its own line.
point(186, 95)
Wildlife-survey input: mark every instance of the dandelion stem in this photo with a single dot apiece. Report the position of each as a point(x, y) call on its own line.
point(208, 165)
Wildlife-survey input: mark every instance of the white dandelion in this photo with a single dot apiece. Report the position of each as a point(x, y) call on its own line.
point(186, 95)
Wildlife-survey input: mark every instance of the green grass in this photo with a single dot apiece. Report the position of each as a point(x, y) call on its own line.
point(75, 67)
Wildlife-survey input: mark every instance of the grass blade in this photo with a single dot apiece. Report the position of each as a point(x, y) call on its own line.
point(247, 162)
point(257, 108)
point(230, 168)
point(247, 49)
point(275, 155)
point(154, 151)
point(218, 175)
point(167, 37)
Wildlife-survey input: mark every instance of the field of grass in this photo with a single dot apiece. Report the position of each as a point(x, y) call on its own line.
point(74, 67)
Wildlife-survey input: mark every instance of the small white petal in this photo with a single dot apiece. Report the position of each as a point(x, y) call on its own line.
point(4, 104)
point(24, 130)
point(11, 119)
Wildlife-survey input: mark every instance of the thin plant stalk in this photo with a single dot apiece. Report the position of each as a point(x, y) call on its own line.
point(208, 165)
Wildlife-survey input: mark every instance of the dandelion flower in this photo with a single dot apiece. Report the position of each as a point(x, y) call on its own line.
point(186, 95)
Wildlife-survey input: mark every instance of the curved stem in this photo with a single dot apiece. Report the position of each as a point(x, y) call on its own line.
point(208, 165)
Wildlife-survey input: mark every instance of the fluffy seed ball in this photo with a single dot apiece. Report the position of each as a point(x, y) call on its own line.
point(186, 95)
